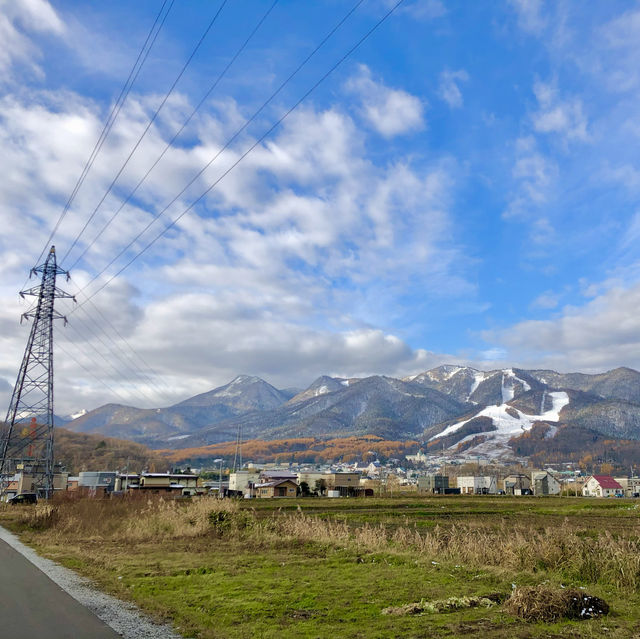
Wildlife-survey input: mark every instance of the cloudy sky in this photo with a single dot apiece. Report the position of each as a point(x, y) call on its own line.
point(463, 188)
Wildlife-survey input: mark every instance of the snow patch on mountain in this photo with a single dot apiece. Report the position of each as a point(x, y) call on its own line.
point(509, 422)
point(478, 377)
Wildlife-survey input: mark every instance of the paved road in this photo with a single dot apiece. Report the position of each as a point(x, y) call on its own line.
point(34, 607)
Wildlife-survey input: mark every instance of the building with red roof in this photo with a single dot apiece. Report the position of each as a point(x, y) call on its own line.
point(602, 486)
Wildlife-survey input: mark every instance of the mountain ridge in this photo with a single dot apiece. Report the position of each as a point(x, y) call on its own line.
point(497, 403)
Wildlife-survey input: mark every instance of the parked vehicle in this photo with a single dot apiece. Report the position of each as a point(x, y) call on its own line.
point(24, 498)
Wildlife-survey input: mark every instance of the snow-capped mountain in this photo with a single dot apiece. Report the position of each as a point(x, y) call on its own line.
point(452, 407)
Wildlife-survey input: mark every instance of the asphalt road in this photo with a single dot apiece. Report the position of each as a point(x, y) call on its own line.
point(34, 607)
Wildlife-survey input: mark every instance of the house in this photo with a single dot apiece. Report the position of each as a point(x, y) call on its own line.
point(602, 486)
point(97, 482)
point(544, 483)
point(477, 485)
point(242, 481)
point(374, 468)
point(347, 484)
point(630, 485)
point(11, 489)
point(313, 479)
point(127, 481)
point(517, 484)
point(277, 474)
point(435, 484)
point(169, 483)
point(418, 458)
point(276, 488)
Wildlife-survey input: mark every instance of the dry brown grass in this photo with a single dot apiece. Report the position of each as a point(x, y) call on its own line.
point(542, 603)
point(524, 548)
point(131, 519)
point(605, 558)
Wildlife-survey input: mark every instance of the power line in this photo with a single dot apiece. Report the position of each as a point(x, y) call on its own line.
point(232, 138)
point(173, 139)
point(90, 372)
point(225, 173)
point(166, 387)
point(138, 373)
point(144, 133)
point(119, 373)
point(124, 92)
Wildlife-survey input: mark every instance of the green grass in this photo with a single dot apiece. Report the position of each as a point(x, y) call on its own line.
point(254, 582)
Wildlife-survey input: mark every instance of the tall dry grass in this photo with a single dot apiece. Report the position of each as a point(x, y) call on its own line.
point(602, 558)
point(586, 559)
point(130, 519)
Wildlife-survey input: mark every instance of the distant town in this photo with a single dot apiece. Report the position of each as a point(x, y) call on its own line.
point(415, 474)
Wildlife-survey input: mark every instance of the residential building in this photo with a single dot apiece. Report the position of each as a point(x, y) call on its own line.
point(477, 485)
point(277, 474)
point(97, 482)
point(310, 478)
point(517, 484)
point(242, 481)
point(602, 486)
point(418, 458)
point(545, 483)
point(435, 484)
point(630, 485)
point(169, 483)
point(276, 488)
point(127, 481)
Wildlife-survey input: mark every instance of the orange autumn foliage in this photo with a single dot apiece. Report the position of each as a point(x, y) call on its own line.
point(300, 449)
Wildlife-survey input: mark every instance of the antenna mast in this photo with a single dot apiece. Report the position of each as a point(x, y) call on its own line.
point(26, 438)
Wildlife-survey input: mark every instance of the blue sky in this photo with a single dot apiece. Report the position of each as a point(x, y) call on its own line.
point(463, 188)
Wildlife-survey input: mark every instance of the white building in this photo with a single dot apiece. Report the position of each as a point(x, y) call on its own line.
point(477, 485)
point(602, 486)
point(240, 480)
point(630, 485)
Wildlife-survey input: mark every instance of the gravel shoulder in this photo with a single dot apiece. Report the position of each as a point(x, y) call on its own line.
point(124, 618)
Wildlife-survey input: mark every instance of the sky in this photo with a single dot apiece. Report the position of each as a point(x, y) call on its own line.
point(463, 187)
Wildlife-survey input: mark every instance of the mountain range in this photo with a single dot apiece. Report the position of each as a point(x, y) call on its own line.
point(449, 407)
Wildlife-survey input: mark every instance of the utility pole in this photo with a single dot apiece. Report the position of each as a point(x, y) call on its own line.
point(26, 439)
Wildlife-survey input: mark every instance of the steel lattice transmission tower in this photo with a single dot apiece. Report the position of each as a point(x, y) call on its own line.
point(26, 442)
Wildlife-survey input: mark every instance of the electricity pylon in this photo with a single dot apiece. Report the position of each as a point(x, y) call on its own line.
point(26, 441)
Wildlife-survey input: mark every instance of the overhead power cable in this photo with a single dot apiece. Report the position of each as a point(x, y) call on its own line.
point(146, 130)
point(115, 110)
point(144, 371)
point(235, 136)
point(88, 370)
point(165, 387)
point(238, 161)
point(174, 138)
point(135, 372)
point(121, 374)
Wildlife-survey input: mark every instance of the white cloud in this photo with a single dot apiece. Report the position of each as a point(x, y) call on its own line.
point(535, 177)
point(390, 111)
point(603, 334)
point(617, 59)
point(16, 18)
point(449, 90)
point(530, 15)
point(563, 117)
point(421, 9)
point(546, 300)
point(282, 274)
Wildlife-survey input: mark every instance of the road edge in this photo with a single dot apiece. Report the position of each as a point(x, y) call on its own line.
point(123, 617)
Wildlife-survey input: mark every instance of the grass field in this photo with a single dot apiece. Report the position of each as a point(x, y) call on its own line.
point(327, 568)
